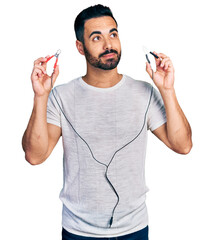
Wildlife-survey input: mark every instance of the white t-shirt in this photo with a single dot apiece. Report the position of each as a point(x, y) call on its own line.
point(107, 119)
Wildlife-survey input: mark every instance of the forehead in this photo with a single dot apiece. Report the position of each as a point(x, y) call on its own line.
point(102, 24)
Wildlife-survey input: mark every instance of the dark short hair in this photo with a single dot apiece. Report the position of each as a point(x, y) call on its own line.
point(88, 13)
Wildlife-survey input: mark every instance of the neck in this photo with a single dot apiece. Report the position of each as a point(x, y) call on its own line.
point(102, 78)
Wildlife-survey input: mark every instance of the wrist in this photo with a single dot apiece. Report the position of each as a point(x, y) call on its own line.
point(167, 91)
point(40, 98)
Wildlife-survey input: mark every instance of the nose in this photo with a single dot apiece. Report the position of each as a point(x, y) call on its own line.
point(107, 44)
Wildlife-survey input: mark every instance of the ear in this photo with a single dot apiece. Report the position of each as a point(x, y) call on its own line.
point(80, 48)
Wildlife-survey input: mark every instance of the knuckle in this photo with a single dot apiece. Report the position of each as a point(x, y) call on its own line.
point(39, 67)
point(35, 69)
point(38, 71)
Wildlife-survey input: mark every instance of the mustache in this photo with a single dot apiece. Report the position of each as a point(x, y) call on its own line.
point(107, 52)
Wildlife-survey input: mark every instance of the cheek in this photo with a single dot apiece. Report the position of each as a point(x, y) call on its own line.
point(118, 45)
point(95, 49)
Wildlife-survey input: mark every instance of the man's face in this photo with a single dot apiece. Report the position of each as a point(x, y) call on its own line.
point(101, 43)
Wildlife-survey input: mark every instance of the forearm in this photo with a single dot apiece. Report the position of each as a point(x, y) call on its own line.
point(178, 128)
point(35, 139)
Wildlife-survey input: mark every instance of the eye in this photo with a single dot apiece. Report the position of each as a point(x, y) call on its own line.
point(113, 35)
point(97, 38)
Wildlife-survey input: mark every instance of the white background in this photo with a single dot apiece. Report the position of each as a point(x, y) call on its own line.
point(180, 201)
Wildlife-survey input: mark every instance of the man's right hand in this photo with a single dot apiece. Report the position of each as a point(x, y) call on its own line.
point(41, 82)
point(40, 138)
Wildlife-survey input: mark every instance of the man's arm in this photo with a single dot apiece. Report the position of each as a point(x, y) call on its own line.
point(40, 137)
point(176, 133)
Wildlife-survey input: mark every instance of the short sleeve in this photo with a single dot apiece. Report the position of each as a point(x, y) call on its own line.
point(53, 111)
point(156, 112)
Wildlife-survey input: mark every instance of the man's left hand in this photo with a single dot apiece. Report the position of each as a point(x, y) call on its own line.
point(164, 75)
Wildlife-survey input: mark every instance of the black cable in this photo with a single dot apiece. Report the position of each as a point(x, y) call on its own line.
point(118, 198)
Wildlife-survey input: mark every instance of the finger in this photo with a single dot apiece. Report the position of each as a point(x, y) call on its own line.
point(161, 55)
point(166, 65)
point(37, 73)
point(160, 59)
point(169, 66)
point(42, 68)
point(44, 64)
point(164, 61)
point(39, 60)
point(149, 69)
point(158, 54)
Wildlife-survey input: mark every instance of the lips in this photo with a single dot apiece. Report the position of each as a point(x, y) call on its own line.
point(109, 55)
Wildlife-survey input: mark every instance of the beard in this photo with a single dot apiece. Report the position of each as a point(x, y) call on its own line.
point(98, 63)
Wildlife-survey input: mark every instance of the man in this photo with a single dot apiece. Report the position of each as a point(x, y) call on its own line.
point(103, 119)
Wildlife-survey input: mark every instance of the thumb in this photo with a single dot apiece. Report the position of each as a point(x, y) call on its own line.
point(149, 69)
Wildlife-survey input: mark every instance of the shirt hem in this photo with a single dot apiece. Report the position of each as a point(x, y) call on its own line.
point(138, 228)
point(158, 124)
point(53, 122)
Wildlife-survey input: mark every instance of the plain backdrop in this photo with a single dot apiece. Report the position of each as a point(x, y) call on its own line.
point(180, 200)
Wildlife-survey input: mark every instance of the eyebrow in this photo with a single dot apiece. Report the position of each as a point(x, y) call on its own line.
point(113, 29)
point(98, 32)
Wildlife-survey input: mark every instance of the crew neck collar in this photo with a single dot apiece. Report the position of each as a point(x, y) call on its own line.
point(99, 89)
